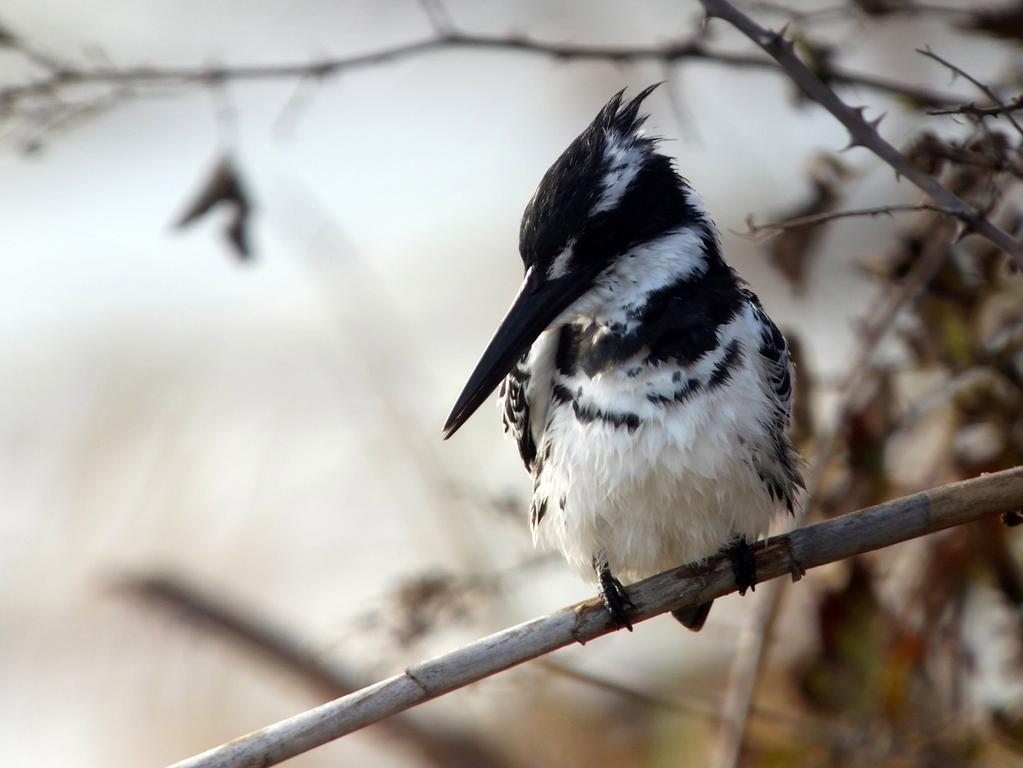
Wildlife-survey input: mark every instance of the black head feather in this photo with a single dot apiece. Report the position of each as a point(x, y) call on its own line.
point(623, 121)
point(563, 204)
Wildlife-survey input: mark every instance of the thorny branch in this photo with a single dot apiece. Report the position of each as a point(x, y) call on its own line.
point(861, 132)
point(974, 110)
point(792, 553)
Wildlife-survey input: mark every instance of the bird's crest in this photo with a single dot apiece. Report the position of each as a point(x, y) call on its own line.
point(624, 121)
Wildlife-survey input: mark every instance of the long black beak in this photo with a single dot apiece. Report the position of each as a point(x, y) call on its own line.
point(535, 307)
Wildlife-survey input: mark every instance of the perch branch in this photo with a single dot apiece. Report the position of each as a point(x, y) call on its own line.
point(809, 547)
point(250, 632)
point(861, 132)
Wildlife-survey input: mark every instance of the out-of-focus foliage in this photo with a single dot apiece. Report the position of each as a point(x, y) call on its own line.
point(900, 637)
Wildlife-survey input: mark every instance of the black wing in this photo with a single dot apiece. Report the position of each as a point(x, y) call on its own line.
point(781, 475)
point(515, 413)
point(775, 350)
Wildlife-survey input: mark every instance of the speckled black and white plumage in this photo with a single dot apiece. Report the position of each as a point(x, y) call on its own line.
point(651, 406)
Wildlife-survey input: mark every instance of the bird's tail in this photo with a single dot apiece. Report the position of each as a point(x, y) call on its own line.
point(694, 616)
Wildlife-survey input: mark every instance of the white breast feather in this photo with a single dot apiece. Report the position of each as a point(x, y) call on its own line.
point(683, 484)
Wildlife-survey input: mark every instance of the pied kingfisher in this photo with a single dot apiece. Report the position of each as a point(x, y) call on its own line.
point(648, 390)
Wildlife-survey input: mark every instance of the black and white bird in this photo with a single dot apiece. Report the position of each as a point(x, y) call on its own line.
point(648, 390)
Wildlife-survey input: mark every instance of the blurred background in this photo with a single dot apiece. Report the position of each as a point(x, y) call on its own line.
point(240, 291)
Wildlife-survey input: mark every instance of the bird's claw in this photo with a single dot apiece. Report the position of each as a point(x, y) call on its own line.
point(744, 565)
point(614, 597)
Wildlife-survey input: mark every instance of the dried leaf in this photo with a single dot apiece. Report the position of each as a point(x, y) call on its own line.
point(1005, 22)
point(879, 7)
point(7, 38)
point(223, 187)
point(427, 601)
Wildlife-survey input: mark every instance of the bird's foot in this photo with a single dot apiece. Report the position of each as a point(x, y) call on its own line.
point(616, 600)
point(744, 564)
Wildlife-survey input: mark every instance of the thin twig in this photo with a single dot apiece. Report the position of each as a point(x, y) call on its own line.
point(14, 41)
point(982, 87)
point(848, 10)
point(704, 705)
point(62, 77)
point(438, 16)
point(975, 110)
point(801, 727)
point(861, 133)
point(755, 230)
point(792, 553)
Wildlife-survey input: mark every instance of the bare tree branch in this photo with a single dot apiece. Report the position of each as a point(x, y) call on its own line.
point(60, 77)
point(984, 88)
point(773, 227)
point(13, 41)
point(439, 16)
point(975, 110)
point(851, 9)
point(862, 133)
point(690, 703)
point(792, 553)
